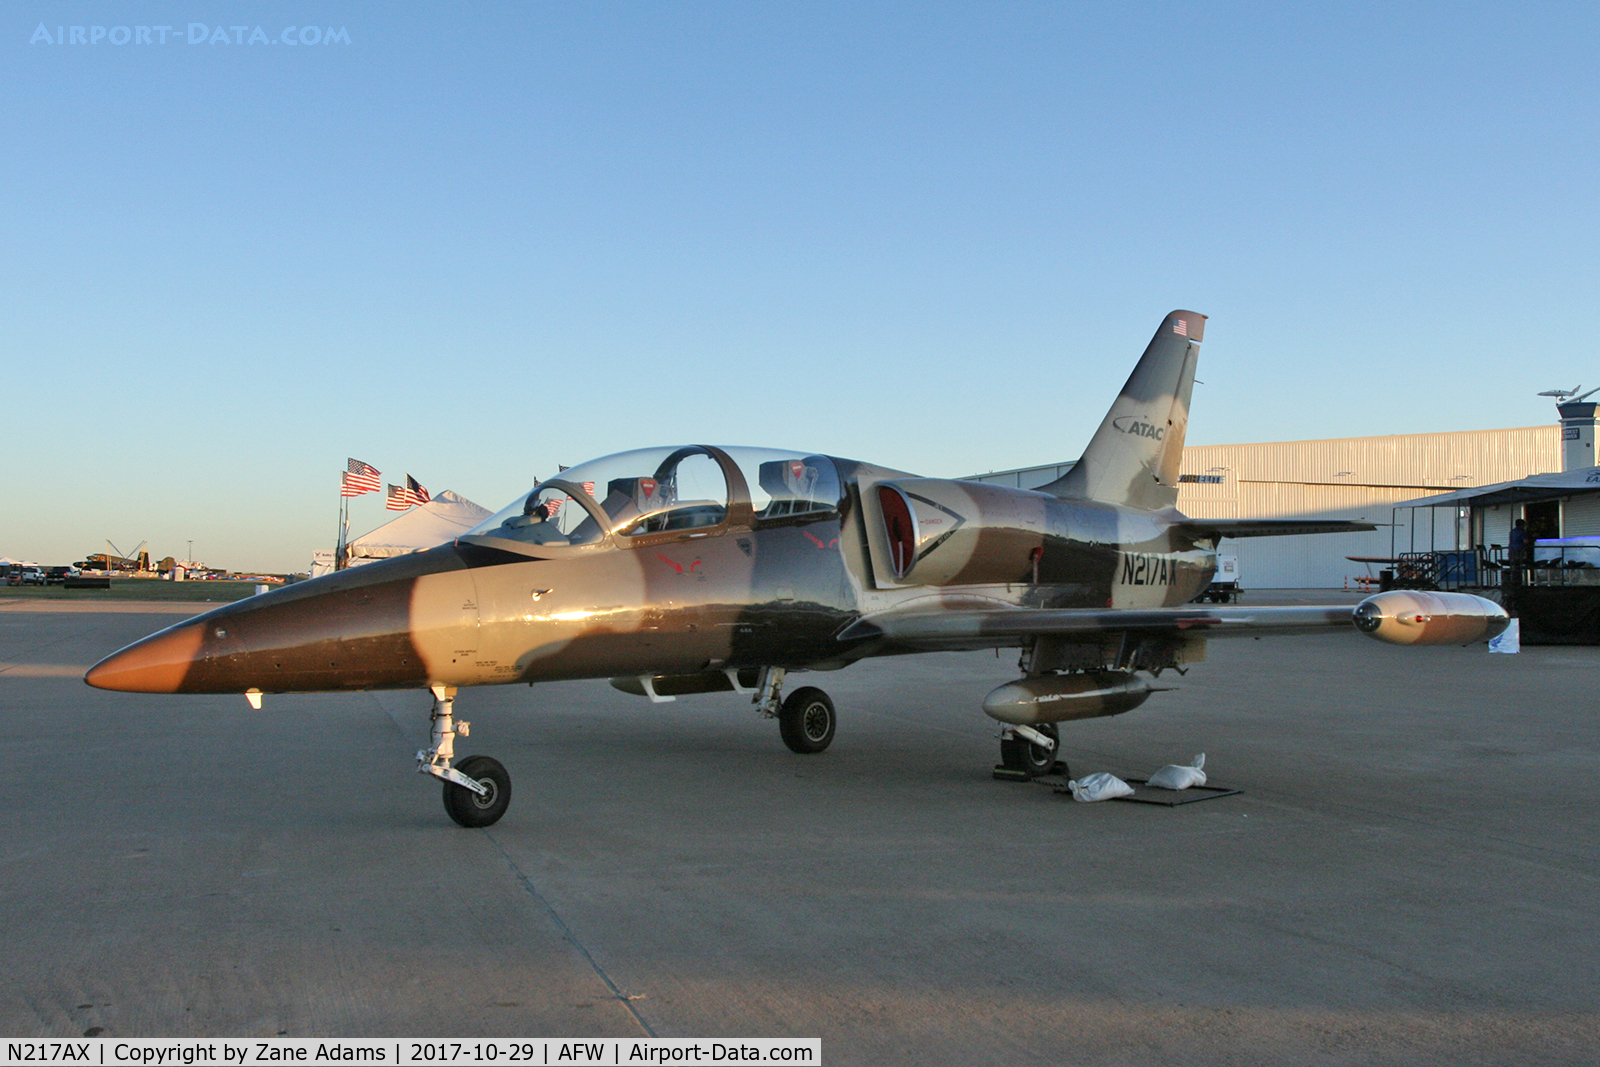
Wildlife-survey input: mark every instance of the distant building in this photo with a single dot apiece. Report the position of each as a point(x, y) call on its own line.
point(1355, 478)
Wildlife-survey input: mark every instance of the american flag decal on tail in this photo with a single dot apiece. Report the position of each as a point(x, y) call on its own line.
point(1181, 327)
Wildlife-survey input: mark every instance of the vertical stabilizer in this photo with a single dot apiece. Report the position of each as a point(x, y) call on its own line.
point(1133, 458)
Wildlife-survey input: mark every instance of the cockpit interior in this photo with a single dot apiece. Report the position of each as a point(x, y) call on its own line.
point(655, 491)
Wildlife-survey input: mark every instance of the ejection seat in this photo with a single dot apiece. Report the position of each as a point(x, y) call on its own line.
point(792, 485)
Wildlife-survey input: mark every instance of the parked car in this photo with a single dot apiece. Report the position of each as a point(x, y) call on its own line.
point(33, 576)
point(59, 575)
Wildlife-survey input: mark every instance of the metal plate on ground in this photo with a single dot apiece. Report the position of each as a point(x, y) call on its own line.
point(1170, 798)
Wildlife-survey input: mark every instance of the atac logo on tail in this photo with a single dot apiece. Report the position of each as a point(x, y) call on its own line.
point(1139, 426)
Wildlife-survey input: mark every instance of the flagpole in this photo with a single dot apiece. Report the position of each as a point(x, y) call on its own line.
point(344, 527)
point(358, 478)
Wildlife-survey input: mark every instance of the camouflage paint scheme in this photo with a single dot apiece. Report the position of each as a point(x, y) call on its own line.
point(748, 595)
point(900, 564)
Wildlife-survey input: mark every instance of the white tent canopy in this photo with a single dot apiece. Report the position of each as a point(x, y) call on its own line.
point(444, 518)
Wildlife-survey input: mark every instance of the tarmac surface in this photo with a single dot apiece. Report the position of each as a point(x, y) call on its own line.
point(1409, 876)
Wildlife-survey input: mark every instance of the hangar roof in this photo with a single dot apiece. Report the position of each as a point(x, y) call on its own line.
point(1521, 491)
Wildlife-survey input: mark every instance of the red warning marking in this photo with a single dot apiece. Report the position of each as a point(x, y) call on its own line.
point(819, 542)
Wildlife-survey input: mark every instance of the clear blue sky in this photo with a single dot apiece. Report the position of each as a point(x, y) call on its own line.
point(475, 243)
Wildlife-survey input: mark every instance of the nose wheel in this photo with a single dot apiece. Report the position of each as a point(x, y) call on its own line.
point(478, 790)
point(474, 809)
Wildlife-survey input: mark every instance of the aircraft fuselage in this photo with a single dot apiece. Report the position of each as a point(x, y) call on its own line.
point(762, 593)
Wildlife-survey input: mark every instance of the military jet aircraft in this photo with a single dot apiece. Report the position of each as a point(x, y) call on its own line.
point(701, 568)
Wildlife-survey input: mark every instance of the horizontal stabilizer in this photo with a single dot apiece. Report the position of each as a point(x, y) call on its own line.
point(1269, 527)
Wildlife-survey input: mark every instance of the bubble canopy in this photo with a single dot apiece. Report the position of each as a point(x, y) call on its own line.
point(687, 490)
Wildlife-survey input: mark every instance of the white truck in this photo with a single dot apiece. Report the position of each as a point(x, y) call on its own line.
point(1224, 587)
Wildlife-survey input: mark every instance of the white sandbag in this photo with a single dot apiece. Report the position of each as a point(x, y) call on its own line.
point(1173, 776)
point(1509, 639)
point(1098, 786)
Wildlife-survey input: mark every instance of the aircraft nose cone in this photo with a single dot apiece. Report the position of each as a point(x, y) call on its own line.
point(156, 664)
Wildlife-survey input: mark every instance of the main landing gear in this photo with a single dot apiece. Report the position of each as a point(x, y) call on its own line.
point(1026, 752)
point(806, 718)
point(478, 790)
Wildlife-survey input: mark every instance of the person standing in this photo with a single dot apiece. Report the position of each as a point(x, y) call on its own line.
point(1519, 550)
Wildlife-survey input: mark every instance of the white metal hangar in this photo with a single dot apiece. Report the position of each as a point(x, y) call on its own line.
point(1361, 478)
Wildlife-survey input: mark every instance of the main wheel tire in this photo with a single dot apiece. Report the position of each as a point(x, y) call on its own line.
point(468, 808)
point(1020, 754)
point(806, 720)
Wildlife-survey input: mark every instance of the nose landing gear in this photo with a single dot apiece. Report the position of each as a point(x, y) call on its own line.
point(478, 791)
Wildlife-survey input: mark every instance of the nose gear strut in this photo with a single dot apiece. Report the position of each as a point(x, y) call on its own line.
point(479, 791)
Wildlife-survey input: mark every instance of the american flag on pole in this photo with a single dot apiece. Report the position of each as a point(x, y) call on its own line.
point(360, 478)
point(415, 491)
point(398, 499)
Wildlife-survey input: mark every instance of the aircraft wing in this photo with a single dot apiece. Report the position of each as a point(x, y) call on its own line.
point(1271, 527)
point(949, 628)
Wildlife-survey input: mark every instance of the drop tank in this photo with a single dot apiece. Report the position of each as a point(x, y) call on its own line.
point(1059, 697)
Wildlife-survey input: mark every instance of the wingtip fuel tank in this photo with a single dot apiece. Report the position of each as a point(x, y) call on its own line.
point(1415, 617)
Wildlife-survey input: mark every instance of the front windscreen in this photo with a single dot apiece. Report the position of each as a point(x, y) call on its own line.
point(547, 516)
